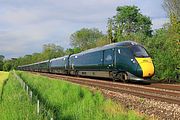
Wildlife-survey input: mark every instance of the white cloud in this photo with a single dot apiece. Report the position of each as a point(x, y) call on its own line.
point(28, 24)
point(16, 16)
point(159, 22)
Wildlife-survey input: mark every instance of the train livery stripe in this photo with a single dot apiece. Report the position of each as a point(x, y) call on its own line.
point(146, 66)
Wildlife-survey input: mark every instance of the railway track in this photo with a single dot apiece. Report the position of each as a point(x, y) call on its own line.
point(165, 86)
point(160, 92)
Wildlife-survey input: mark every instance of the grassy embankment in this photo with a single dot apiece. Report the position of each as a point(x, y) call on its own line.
point(15, 104)
point(72, 102)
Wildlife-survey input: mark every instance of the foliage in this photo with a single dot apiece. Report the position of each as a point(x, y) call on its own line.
point(72, 102)
point(1, 65)
point(110, 30)
point(164, 49)
point(8, 65)
point(70, 51)
point(85, 38)
point(1, 62)
point(128, 20)
point(1, 57)
point(15, 104)
point(52, 51)
point(172, 7)
point(164, 46)
point(49, 51)
point(103, 41)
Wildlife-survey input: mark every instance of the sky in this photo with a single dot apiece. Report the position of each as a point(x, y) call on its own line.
point(26, 25)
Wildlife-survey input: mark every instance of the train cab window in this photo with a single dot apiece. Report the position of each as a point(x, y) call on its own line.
point(139, 51)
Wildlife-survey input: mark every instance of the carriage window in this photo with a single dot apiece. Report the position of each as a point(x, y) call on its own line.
point(108, 58)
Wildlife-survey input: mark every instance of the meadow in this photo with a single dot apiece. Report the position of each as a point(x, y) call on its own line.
point(3, 78)
point(15, 104)
point(72, 102)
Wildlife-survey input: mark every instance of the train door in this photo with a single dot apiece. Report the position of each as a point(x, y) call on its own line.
point(109, 59)
point(123, 59)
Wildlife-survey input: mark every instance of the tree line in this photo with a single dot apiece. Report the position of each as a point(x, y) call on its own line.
point(127, 24)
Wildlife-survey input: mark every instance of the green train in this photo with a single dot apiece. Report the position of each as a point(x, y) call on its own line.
point(120, 61)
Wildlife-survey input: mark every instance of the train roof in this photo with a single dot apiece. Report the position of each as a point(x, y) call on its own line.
point(58, 58)
point(42, 62)
point(109, 46)
point(34, 63)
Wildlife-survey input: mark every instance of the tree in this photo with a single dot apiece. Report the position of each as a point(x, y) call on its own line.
point(51, 51)
point(85, 38)
point(1, 62)
point(1, 65)
point(128, 21)
point(70, 51)
point(103, 41)
point(8, 65)
point(2, 57)
point(172, 7)
point(110, 33)
point(165, 53)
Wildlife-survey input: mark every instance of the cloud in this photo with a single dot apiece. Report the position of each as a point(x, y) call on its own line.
point(32, 36)
point(28, 24)
point(159, 22)
point(15, 16)
point(152, 8)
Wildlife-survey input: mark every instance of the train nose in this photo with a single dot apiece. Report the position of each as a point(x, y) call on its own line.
point(147, 66)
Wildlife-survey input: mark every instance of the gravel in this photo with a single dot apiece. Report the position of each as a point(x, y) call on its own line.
point(154, 108)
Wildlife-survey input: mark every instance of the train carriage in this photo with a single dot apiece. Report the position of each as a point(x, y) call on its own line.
point(59, 65)
point(42, 66)
point(120, 61)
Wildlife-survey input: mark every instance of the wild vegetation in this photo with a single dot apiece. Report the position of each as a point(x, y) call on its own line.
point(1, 62)
point(72, 102)
point(15, 104)
point(127, 24)
point(3, 78)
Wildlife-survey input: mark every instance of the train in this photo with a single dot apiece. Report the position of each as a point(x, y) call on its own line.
point(121, 61)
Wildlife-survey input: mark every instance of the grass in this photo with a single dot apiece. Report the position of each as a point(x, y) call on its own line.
point(72, 102)
point(15, 104)
point(3, 78)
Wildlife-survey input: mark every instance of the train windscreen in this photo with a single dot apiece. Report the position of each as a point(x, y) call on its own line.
point(139, 51)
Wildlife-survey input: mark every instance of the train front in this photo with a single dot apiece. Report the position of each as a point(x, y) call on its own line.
point(145, 67)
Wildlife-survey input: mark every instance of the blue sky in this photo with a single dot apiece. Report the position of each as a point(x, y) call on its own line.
point(25, 25)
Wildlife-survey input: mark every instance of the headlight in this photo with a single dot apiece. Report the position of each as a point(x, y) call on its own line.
point(133, 61)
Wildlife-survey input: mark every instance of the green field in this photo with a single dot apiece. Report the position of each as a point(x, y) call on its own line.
point(3, 78)
point(15, 104)
point(72, 102)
